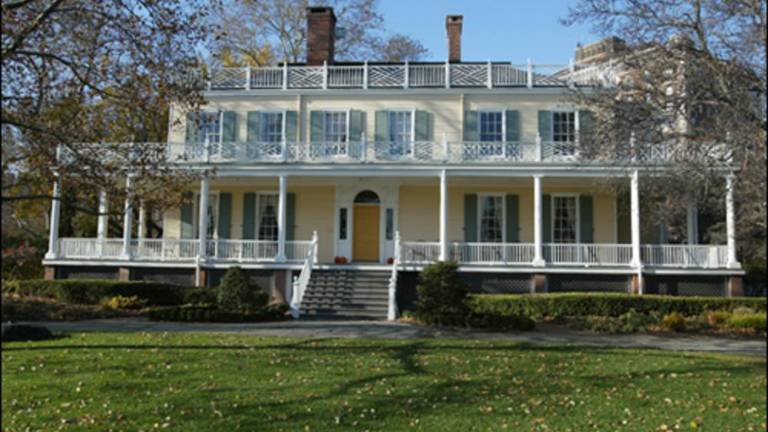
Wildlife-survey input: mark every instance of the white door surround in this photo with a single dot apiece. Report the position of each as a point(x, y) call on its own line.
point(346, 191)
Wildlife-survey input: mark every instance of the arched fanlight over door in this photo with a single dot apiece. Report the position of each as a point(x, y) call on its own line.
point(367, 197)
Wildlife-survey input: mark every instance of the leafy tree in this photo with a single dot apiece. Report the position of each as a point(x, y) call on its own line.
point(692, 78)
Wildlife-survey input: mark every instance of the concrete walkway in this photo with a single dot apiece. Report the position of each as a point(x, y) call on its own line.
point(543, 335)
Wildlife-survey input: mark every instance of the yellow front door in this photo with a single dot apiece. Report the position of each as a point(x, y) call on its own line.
point(366, 233)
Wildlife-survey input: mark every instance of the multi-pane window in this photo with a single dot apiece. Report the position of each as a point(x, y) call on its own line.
point(267, 217)
point(343, 223)
point(389, 231)
point(335, 126)
point(400, 132)
point(491, 219)
point(209, 127)
point(564, 219)
point(272, 127)
point(491, 126)
point(564, 132)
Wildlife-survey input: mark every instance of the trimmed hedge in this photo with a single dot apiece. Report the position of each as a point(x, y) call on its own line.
point(211, 314)
point(602, 304)
point(93, 291)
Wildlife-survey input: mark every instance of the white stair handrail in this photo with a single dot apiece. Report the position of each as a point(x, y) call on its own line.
point(392, 305)
point(300, 282)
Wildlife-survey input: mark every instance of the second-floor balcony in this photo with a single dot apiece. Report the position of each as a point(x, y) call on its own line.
point(408, 75)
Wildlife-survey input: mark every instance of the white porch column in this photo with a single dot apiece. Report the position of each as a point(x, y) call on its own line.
point(53, 235)
point(692, 223)
point(128, 217)
point(538, 228)
point(443, 216)
point(281, 218)
point(730, 223)
point(635, 218)
point(140, 230)
point(202, 226)
point(103, 219)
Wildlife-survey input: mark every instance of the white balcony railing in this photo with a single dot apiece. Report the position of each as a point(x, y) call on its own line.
point(419, 152)
point(685, 256)
point(164, 249)
point(409, 75)
point(493, 253)
point(588, 254)
point(85, 248)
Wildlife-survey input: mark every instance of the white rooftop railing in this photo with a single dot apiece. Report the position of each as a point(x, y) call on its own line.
point(408, 75)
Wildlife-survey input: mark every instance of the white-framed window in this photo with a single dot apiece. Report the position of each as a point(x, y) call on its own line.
point(400, 126)
point(564, 133)
point(209, 127)
point(272, 128)
point(213, 215)
point(335, 126)
point(266, 216)
point(565, 218)
point(491, 126)
point(491, 218)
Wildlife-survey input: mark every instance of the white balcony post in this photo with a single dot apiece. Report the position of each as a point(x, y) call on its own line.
point(103, 217)
point(53, 235)
point(365, 75)
point(635, 218)
point(489, 76)
point(447, 74)
point(730, 223)
point(633, 146)
point(202, 226)
point(247, 77)
point(140, 230)
point(530, 74)
point(406, 77)
point(325, 75)
point(443, 215)
point(364, 145)
point(539, 151)
point(446, 149)
point(281, 218)
point(285, 75)
point(538, 226)
point(128, 217)
point(692, 222)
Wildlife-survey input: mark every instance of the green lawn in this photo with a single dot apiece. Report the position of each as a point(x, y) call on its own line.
point(221, 382)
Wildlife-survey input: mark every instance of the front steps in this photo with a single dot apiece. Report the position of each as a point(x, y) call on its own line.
point(347, 294)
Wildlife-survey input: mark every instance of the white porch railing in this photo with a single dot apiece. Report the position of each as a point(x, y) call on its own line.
point(87, 248)
point(408, 75)
point(164, 249)
point(493, 253)
point(300, 282)
point(591, 254)
point(419, 252)
point(685, 256)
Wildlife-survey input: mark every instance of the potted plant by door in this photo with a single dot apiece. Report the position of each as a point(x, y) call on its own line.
point(390, 260)
point(340, 260)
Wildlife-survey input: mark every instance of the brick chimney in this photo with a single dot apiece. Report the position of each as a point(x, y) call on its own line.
point(600, 51)
point(321, 35)
point(453, 28)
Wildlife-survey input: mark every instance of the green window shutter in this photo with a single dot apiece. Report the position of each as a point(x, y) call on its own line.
point(225, 214)
point(546, 214)
point(513, 218)
point(316, 126)
point(254, 130)
point(382, 126)
point(187, 216)
point(513, 125)
point(586, 219)
point(249, 213)
point(545, 125)
point(191, 133)
point(229, 127)
point(470, 217)
point(291, 126)
point(290, 215)
point(470, 126)
point(423, 126)
point(356, 119)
